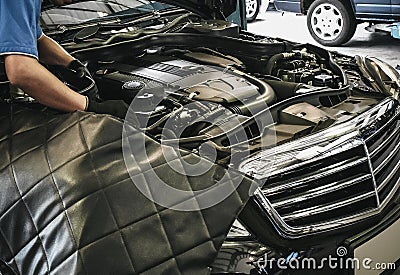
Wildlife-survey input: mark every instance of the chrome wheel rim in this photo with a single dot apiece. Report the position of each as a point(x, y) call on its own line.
point(251, 8)
point(327, 22)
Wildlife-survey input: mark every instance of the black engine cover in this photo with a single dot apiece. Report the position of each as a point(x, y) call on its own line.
point(159, 74)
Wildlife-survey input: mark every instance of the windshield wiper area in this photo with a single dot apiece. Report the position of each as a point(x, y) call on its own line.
point(76, 15)
point(116, 23)
point(91, 32)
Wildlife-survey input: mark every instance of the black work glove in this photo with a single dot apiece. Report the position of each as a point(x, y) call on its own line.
point(82, 71)
point(79, 68)
point(116, 108)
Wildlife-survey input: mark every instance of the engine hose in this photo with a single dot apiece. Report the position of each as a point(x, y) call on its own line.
point(274, 60)
point(267, 96)
point(285, 90)
point(277, 57)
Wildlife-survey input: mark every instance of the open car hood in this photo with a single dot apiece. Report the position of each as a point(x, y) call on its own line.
point(215, 9)
point(209, 9)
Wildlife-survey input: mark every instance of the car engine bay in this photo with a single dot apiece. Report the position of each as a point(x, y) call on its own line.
point(303, 87)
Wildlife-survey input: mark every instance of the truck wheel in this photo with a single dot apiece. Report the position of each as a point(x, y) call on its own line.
point(252, 9)
point(331, 22)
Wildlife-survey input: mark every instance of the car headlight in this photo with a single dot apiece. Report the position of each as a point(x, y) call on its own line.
point(330, 141)
point(386, 77)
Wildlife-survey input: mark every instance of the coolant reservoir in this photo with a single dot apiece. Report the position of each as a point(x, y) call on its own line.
point(323, 80)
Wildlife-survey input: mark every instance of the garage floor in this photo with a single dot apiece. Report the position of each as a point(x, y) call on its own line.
point(294, 27)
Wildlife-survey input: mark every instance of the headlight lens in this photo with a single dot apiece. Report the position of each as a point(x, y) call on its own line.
point(387, 77)
point(330, 141)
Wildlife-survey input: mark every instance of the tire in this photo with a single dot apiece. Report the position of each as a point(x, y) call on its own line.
point(331, 22)
point(252, 9)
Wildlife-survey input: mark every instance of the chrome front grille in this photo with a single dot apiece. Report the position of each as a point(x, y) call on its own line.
point(355, 181)
point(330, 188)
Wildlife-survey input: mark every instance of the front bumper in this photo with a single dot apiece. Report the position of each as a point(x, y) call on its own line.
point(377, 249)
point(370, 251)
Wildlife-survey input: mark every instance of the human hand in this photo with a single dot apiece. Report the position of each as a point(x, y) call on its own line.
point(116, 108)
point(79, 68)
point(82, 71)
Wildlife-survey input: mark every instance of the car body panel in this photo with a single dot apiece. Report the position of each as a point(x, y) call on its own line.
point(288, 5)
point(229, 8)
point(232, 10)
point(366, 10)
point(396, 8)
point(373, 9)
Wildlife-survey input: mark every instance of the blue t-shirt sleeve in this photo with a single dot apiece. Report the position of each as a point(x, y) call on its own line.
point(19, 26)
point(39, 32)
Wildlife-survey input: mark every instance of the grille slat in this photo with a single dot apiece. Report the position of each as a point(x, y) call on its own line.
point(384, 160)
point(319, 174)
point(327, 207)
point(383, 182)
point(384, 148)
point(385, 141)
point(324, 192)
point(320, 191)
point(393, 184)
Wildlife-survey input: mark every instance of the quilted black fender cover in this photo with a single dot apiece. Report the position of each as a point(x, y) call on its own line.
point(69, 206)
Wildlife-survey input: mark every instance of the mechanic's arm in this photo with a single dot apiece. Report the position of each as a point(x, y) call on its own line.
point(51, 53)
point(28, 74)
